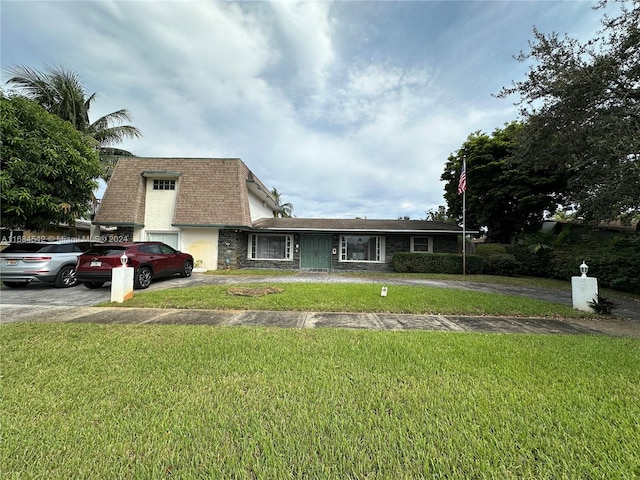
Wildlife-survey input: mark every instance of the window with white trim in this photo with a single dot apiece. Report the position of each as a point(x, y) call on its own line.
point(362, 248)
point(270, 247)
point(422, 244)
point(164, 184)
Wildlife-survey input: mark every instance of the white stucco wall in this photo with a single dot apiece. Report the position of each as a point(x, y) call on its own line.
point(159, 208)
point(257, 208)
point(202, 244)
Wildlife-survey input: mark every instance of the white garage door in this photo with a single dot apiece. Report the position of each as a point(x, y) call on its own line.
point(170, 239)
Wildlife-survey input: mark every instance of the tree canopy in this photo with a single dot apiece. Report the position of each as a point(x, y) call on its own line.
point(48, 167)
point(581, 108)
point(504, 194)
point(577, 146)
point(61, 92)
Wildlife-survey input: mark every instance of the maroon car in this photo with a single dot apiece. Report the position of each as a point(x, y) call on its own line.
point(150, 260)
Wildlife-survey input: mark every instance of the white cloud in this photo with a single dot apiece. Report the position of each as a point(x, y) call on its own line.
point(349, 109)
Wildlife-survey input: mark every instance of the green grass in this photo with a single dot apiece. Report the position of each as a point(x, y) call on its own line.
point(354, 298)
point(94, 401)
point(497, 279)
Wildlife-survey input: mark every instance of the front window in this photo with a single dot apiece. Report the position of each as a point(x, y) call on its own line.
point(270, 247)
point(422, 244)
point(362, 249)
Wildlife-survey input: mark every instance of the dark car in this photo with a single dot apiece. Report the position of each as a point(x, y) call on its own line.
point(150, 260)
point(48, 262)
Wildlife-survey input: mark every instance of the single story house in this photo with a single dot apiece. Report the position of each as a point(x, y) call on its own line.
point(219, 212)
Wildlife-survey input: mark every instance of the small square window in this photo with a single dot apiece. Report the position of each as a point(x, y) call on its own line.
point(421, 244)
point(164, 184)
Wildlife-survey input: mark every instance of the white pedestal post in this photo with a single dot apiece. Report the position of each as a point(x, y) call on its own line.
point(122, 281)
point(584, 290)
point(121, 284)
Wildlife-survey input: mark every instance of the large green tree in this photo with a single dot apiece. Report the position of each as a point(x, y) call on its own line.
point(504, 194)
point(61, 92)
point(581, 106)
point(48, 168)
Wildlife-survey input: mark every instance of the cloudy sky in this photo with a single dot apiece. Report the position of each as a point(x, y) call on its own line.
point(348, 108)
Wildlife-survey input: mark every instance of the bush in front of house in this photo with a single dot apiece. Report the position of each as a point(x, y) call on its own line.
point(487, 249)
point(534, 262)
point(411, 262)
point(502, 264)
point(615, 262)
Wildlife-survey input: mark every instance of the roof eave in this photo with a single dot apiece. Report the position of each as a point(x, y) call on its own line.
point(118, 224)
point(210, 225)
point(355, 230)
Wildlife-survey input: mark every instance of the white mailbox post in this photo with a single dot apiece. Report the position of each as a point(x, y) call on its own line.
point(584, 290)
point(122, 281)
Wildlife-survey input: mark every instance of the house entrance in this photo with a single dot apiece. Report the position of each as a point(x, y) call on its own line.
point(315, 251)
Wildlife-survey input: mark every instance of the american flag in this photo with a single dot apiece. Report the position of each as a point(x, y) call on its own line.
point(462, 184)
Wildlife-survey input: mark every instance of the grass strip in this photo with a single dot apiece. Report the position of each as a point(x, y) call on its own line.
point(328, 297)
point(119, 401)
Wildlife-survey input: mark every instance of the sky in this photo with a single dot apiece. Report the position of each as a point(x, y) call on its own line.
point(348, 108)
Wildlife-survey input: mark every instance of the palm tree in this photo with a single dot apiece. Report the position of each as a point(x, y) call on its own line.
point(61, 92)
point(287, 208)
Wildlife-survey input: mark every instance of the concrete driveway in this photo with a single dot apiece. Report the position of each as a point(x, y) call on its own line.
point(40, 302)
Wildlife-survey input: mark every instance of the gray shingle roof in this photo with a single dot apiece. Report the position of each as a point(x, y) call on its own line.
point(210, 191)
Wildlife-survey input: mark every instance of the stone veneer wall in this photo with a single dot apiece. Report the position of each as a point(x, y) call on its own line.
point(234, 245)
point(228, 246)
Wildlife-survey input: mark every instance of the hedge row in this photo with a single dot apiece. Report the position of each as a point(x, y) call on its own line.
point(405, 262)
point(615, 262)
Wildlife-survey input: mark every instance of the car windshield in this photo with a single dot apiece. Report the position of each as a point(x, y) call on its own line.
point(106, 250)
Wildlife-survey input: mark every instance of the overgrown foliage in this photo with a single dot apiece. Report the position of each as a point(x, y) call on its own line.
point(410, 262)
point(615, 262)
point(504, 194)
point(488, 249)
point(48, 167)
point(60, 91)
point(577, 144)
point(501, 264)
point(581, 106)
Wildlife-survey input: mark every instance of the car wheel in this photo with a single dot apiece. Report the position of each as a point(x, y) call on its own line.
point(143, 278)
point(16, 284)
point(187, 269)
point(93, 285)
point(67, 277)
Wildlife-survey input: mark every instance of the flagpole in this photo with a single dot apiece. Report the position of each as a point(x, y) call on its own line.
point(464, 221)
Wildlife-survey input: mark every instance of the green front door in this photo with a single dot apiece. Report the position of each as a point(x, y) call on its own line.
point(315, 251)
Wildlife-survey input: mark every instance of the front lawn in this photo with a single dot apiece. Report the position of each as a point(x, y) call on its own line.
point(91, 401)
point(357, 297)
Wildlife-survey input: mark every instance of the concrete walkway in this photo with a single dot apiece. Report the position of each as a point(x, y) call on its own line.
point(372, 321)
point(625, 323)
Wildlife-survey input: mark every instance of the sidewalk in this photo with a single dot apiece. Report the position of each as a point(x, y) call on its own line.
point(291, 319)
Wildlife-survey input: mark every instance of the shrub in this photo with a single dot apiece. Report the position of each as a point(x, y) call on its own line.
point(406, 262)
point(533, 262)
point(615, 263)
point(502, 264)
point(487, 249)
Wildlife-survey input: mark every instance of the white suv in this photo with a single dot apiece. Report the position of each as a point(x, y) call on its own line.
point(49, 262)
